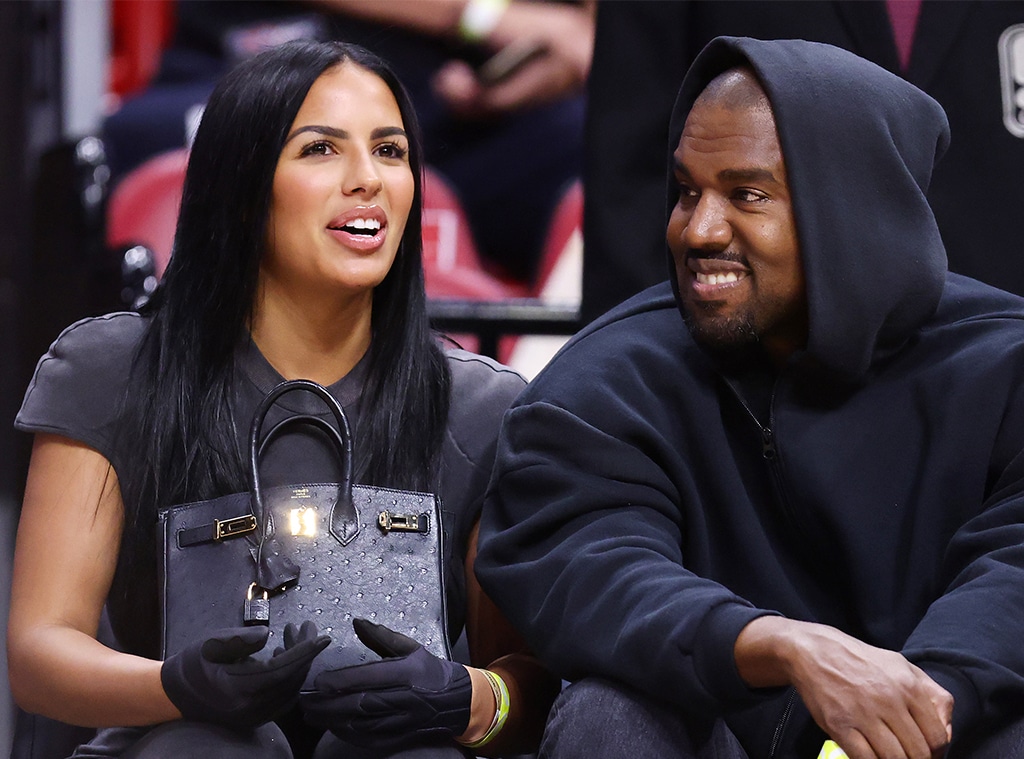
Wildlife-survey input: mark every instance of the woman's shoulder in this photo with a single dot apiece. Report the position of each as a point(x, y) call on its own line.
point(78, 383)
point(479, 379)
point(482, 391)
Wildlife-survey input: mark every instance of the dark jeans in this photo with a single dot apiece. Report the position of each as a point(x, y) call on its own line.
point(594, 719)
point(197, 740)
point(187, 740)
point(331, 748)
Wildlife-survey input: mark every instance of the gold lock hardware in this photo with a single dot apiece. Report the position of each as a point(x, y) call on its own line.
point(229, 528)
point(389, 522)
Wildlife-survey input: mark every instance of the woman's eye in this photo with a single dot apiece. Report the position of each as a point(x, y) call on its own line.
point(391, 150)
point(317, 148)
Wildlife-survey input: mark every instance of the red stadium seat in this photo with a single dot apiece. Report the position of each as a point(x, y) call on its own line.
point(143, 207)
point(451, 264)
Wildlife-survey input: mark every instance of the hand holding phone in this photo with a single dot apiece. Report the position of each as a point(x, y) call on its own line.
point(508, 61)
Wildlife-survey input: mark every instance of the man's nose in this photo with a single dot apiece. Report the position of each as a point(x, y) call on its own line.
point(708, 226)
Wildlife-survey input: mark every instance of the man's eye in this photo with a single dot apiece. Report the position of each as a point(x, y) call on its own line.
point(686, 194)
point(748, 196)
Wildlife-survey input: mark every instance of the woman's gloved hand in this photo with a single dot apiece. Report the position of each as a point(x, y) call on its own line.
point(219, 681)
point(409, 697)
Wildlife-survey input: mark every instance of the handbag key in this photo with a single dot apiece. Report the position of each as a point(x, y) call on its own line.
point(256, 609)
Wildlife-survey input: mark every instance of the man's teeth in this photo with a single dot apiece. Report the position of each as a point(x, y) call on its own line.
point(719, 279)
point(363, 225)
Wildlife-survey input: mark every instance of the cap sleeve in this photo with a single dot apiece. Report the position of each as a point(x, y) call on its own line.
point(78, 385)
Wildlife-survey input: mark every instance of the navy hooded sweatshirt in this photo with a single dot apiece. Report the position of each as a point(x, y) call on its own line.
point(649, 502)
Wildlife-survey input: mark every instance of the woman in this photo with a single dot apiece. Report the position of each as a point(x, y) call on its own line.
point(297, 255)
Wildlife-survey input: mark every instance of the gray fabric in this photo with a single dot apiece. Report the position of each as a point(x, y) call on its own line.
point(187, 740)
point(331, 747)
point(598, 718)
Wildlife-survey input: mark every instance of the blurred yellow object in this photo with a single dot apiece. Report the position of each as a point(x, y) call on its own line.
point(831, 751)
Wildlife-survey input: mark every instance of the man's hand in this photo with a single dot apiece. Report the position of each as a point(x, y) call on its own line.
point(871, 701)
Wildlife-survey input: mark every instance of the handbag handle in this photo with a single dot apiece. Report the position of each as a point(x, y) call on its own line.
point(272, 572)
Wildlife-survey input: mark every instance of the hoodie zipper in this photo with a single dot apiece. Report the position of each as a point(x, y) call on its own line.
point(770, 454)
point(780, 727)
point(769, 448)
point(768, 451)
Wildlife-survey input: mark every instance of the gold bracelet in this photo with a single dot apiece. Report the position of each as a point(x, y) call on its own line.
point(501, 704)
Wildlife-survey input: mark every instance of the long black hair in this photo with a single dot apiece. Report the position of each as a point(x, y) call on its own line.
point(178, 418)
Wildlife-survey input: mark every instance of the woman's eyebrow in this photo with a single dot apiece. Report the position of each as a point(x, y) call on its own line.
point(341, 134)
point(392, 131)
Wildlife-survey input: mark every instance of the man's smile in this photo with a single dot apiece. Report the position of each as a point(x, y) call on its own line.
point(713, 277)
point(720, 279)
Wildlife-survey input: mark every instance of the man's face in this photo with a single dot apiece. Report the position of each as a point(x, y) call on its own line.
point(732, 234)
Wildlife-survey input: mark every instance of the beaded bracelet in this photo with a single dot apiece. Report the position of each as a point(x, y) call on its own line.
point(501, 702)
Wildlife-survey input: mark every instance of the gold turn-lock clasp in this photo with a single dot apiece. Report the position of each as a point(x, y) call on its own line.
point(389, 522)
point(229, 528)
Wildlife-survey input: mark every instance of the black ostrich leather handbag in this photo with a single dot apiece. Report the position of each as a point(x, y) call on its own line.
point(328, 552)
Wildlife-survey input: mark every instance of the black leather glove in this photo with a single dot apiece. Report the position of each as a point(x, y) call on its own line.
point(410, 697)
point(219, 681)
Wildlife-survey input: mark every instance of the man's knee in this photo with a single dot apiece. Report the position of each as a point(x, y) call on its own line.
point(594, 718)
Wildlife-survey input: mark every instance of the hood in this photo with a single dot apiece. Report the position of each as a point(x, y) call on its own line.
point(859, 145)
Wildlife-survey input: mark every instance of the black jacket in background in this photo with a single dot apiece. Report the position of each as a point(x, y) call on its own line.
point(644, 508)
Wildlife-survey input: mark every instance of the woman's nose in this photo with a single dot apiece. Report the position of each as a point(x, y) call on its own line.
point(362, 177)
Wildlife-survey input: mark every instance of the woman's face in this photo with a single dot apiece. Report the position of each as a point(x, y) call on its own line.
point(342, 189)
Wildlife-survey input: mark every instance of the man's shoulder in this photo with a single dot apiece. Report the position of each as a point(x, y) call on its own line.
point(639, 353)
point(657, 302)
point(967, 301)
point(635, 331)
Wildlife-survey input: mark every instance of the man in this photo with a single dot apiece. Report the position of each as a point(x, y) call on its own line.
point(964, 53)
point(800, 514)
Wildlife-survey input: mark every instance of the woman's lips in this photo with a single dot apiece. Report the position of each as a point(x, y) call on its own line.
point(363, 229)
